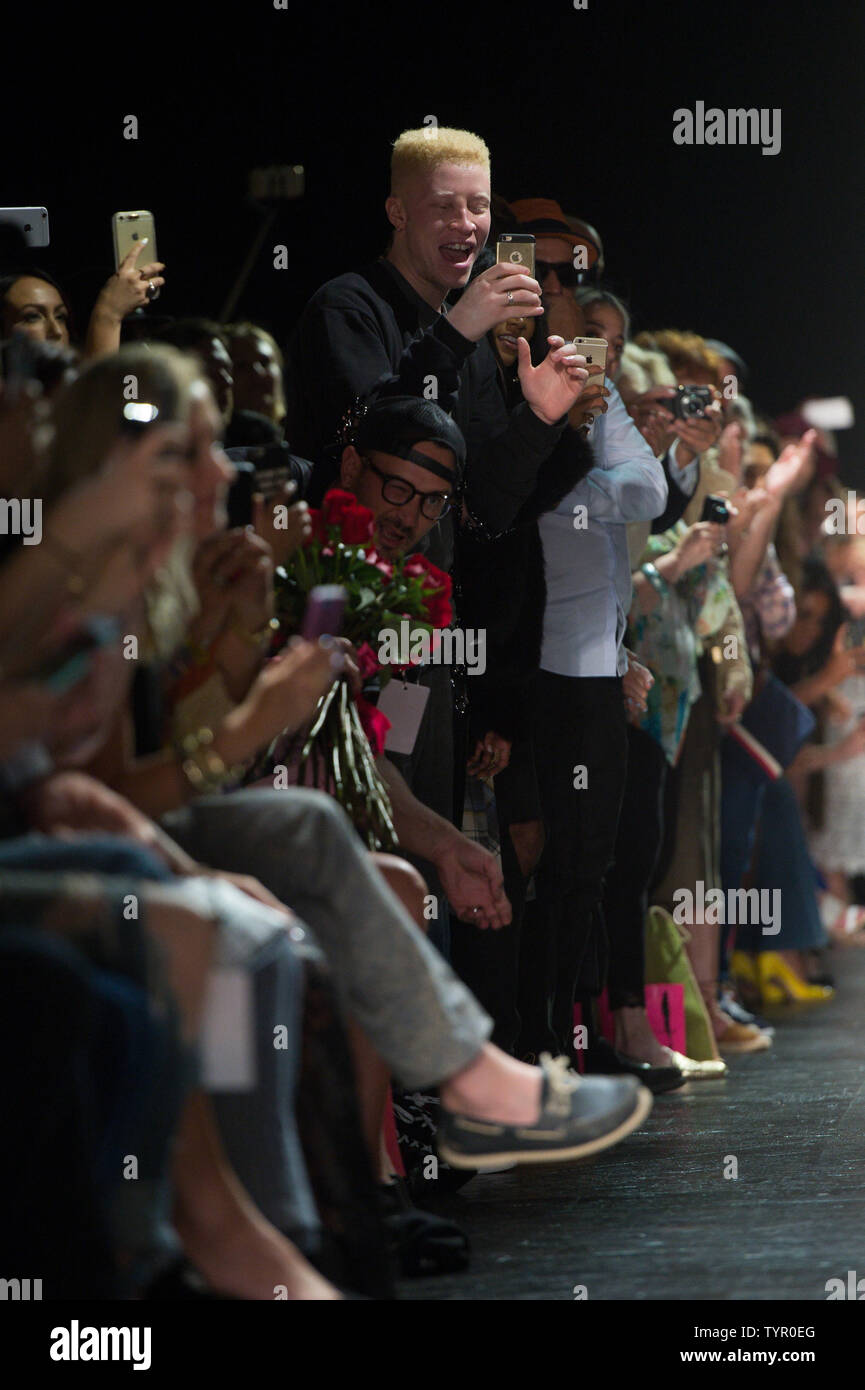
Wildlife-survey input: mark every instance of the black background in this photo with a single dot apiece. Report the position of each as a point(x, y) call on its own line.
point(764, 252)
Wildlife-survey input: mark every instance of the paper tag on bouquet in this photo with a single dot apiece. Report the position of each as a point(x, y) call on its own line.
point(227, 1039)
point(404, 706)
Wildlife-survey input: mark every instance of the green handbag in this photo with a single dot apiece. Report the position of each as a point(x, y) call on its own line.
point(667, 963)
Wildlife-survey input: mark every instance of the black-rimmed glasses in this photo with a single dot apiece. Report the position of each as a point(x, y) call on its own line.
point(399, 492)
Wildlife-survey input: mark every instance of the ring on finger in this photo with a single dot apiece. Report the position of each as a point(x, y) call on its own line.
point(510, 296)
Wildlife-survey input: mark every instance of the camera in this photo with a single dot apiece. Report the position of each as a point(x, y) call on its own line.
point(266, 471)
point(715, 509)
point(689, 402)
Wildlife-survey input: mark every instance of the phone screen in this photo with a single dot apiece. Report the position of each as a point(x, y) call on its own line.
point(324, 612)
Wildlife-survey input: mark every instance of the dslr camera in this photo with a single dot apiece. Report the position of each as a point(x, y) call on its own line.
point(689, 402)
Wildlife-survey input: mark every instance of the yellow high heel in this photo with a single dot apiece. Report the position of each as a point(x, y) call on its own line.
point(781, 985)
point(744, 968)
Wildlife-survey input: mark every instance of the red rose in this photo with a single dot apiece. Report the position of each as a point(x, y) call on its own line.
point(374, 724)
point(419, 567)
point(357, 524)
point(342, 509)
point(367, 661)
point(438, 611)
point(319, 528)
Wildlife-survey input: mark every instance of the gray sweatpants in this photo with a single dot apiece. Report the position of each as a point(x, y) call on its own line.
point(300, 844)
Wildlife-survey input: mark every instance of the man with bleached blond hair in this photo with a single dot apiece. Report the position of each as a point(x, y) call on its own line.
point(388, 329)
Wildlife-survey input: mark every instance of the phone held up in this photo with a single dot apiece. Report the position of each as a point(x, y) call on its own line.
point(130, 228)
point(325, 611)
point(516, 249)
point(595, 352)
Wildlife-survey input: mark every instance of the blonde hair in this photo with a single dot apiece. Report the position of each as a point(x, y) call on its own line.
point(684, 350)
point(88, 414)
point(88, 420)
point(641, 369)
point(420, 151)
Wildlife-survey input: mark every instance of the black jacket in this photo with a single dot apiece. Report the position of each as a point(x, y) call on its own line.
point(369, 333)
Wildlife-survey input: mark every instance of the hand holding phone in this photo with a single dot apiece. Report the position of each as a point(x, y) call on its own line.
point(506, 290)
point(131, 232)
point(595, 352)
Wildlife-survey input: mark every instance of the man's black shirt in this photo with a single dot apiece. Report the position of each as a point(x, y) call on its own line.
point(369, 333)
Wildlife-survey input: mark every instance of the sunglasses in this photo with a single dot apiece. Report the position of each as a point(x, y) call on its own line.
point(567, 273)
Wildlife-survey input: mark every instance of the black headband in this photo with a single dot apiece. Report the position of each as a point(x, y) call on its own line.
point(404, 451)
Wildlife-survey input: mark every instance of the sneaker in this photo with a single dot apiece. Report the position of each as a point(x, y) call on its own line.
point(579, 1116)
point(739, 1014)
point(742, 1037)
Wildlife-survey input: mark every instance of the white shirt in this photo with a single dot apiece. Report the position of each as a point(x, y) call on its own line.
point(588, 574)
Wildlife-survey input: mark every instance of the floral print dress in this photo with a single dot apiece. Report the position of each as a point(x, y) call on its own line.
point(671, 638)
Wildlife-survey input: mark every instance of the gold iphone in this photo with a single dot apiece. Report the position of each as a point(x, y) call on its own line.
point(595, 352)
point(516, 249)
point(129, 228)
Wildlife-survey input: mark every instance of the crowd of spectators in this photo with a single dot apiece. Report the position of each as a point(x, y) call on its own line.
point(244, 1058)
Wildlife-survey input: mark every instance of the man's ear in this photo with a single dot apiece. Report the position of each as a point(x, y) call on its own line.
point(395, 213)
point(350, 468)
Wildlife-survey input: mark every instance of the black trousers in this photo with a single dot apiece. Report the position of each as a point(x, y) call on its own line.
point(638, 845)
point(580, 738)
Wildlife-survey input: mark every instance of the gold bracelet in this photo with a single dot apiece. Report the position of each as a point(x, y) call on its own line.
point(201, 765)
point(255, 639)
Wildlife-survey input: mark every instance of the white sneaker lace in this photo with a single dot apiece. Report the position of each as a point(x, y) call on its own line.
point(561, 1083)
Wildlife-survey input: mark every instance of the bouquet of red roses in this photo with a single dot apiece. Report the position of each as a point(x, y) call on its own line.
point(408, 596)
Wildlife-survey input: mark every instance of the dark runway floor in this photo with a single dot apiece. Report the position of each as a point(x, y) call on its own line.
point(656, 1219)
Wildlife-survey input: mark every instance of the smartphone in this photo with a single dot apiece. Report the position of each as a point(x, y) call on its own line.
point(516, 248)
point(129, 228)
point(324, 612)
point(30, 223)
point(248, 481)
point(595, 352)
point(241, 490)
point(71, 664)
point(270, 482)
